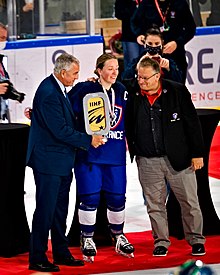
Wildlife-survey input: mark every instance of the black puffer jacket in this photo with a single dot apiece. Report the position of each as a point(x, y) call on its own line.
point(124, 9)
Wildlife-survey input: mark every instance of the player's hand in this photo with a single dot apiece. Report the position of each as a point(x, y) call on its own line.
point(97, 141)
point(92, 79)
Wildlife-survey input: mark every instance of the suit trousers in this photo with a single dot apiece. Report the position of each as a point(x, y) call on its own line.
point(153, 174)
point(52, 199)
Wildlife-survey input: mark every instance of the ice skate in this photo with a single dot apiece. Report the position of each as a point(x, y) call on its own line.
point(88, 249)
point(123, 247)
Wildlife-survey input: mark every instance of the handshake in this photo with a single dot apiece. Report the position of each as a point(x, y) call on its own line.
point(11, 92)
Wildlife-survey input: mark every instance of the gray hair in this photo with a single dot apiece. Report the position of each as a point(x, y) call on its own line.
point(149, 62)
point(64, 62)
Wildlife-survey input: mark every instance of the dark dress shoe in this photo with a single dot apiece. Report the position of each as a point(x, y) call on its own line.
point(198, 249)
point(69, 261)
point(44, 267)
point(160, 251)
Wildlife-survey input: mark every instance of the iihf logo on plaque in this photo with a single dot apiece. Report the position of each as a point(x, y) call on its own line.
point(96, 114)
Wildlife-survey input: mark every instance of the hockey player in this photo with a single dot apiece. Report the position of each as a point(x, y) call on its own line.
point(105, 168)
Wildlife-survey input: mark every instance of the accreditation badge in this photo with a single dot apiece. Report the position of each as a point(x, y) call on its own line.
point(96, 114)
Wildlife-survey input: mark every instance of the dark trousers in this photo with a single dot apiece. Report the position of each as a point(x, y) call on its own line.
point(52, 199)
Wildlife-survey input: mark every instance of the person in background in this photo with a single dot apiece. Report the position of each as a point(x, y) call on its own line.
point(163, 132)
point(175, 21)
point(3, 73)
point(214, 16)
point(53, 142)
point(3, 11)
point(195, 9)
point(103, 169)
point(153, 47)
point(28, 18)
point(5, 84)
point(124, 9)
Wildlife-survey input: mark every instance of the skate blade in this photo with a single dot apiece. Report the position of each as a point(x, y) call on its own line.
point(131, 255)
point(88, 259)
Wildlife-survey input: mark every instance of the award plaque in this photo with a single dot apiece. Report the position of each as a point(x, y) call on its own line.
point(96, 114)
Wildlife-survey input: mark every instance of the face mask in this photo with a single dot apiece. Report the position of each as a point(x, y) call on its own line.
point(153, 50)
point(2, 45)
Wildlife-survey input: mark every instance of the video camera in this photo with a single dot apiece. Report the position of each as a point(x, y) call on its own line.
point(12, 93)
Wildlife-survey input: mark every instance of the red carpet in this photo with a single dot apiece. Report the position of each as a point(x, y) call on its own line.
point(108, 261)
point(214, 157)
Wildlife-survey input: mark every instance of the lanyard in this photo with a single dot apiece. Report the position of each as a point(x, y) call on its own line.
point(161, 14)
point(110, 105)
point(138, 2)
point(2, 73)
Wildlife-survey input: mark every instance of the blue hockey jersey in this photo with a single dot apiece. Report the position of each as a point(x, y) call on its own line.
point(113, 152)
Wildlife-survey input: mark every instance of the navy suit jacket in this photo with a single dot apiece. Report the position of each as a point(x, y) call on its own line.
point(53, 140)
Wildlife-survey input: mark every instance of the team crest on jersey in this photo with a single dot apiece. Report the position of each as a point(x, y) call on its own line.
point(117, 117)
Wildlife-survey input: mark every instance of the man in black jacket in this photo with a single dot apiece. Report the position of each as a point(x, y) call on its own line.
point(164, 134)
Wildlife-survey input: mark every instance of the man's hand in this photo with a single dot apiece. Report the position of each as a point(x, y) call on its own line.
point(197, 163)
point(3, 88)
point(97, 141)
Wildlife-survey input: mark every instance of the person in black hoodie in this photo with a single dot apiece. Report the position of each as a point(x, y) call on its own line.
point(175, 21)
point(124, 9)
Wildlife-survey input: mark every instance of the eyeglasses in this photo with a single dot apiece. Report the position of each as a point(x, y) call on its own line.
point(145, 78)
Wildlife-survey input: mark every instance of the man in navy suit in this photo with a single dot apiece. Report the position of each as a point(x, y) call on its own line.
point(52, 146)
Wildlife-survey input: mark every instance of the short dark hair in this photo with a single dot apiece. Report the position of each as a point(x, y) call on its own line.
point(154, 30)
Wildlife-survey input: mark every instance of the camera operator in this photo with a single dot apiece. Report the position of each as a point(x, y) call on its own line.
point(6, 87)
